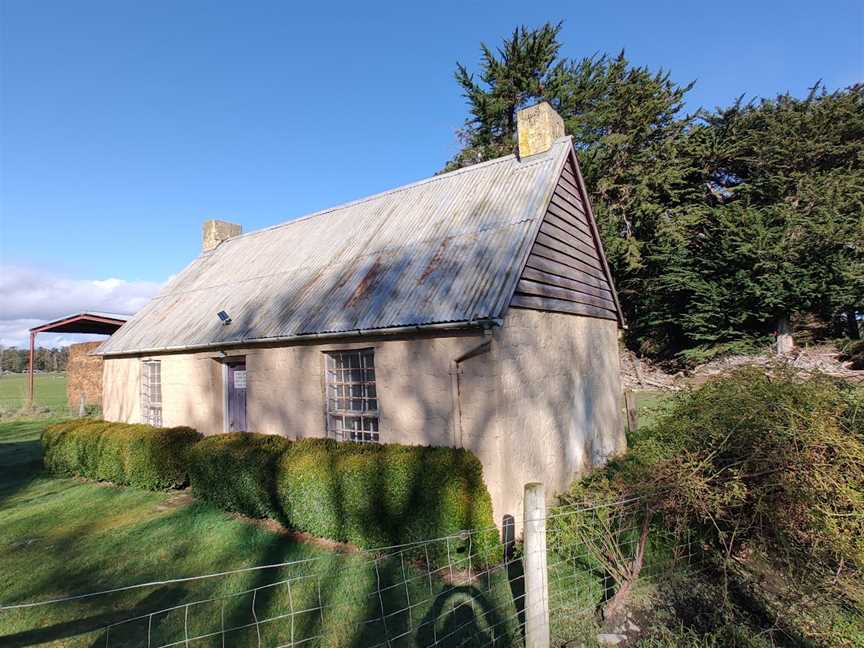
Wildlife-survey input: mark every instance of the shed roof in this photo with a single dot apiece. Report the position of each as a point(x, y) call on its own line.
point(442, 251)
point(86, 322)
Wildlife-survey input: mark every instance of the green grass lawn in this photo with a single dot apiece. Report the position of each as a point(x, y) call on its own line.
point(49, 388)
point(648, 404)
point(63, 536)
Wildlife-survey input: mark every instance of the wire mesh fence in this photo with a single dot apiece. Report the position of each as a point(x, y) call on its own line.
point(462, 590)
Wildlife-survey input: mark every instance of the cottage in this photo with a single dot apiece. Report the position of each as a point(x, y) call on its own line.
point(473, 309)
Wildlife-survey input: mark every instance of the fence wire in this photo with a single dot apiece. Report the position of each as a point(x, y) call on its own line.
point(461, 590)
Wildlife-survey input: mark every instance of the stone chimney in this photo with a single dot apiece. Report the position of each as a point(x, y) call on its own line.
point(216, 231)
point(538, 127)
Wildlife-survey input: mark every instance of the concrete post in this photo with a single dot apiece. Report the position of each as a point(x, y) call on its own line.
point(534, 563)
point(785, 343)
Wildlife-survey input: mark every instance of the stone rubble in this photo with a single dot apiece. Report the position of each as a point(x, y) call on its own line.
point(642, 374)
point(611, 639)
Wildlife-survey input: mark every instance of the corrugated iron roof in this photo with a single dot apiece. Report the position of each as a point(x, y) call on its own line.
point(447, 249)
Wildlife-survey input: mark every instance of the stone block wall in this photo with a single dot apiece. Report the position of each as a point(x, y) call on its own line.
point(542, 403)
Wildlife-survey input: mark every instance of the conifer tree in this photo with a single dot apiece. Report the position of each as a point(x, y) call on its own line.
point(779, 231)
point(524, 70)
point(716, 225)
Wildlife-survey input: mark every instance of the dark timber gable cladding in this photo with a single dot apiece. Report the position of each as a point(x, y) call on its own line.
point(566, 271)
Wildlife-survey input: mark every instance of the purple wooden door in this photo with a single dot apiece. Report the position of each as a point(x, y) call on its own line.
point(236, 390)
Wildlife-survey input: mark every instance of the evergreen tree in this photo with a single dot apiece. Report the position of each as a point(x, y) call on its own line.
point(627, 125)
point(17, 360)
point(779, 231)
point(524, 70)
point(716, 225)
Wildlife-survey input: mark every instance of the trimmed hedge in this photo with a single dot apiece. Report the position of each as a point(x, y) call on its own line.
point(379, 495)
point(237, 472)
point(369, 495)
point(130, 454)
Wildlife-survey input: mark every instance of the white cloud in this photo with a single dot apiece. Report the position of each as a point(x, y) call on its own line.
point(29, 297)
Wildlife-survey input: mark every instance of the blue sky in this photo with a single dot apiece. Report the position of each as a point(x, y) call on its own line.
point(123, 125)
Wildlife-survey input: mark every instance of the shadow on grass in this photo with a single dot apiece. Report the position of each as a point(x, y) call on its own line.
point(91, 624)
point(167, 607)
point(456, 613)
point(20, 456)
point(461, 616)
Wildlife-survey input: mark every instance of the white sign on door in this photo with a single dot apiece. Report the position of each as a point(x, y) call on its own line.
point(239, 380)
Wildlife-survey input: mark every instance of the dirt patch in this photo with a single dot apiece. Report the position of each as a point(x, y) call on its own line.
point(297, 536)
point(183, 498)
point(640, 373)
point(97, 484)
point(177, 500)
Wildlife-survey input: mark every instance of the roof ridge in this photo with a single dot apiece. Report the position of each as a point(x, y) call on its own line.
point(405, 187)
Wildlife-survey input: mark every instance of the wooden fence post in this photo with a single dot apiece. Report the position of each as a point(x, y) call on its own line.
point(534, 563)
point(630, 406)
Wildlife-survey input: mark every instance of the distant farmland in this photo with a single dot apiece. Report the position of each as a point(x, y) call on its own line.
point(50, 390)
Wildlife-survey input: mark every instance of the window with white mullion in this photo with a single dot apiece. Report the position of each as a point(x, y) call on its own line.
point(352, 398)
point(151, 392)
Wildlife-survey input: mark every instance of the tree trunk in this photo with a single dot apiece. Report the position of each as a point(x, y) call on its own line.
point(615, 606)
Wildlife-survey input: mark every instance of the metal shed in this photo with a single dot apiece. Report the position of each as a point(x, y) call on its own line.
point(86, 322)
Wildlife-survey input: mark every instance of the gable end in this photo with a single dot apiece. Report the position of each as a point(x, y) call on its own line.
point(566, 270)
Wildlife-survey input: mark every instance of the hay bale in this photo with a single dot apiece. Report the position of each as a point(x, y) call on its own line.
point(84, 375)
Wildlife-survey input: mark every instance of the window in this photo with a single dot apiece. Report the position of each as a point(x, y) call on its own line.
point(352, 401)
point(151, 392)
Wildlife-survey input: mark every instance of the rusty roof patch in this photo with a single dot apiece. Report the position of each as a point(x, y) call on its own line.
point(435, 261)
point(367, 283)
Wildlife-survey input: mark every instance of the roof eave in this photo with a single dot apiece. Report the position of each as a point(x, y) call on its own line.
point(80, 317)
point(478, 324)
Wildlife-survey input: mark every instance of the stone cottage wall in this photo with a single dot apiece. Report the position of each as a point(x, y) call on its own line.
point(537, 400)
point(558, 394)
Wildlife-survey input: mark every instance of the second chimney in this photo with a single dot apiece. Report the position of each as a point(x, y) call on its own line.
point(216, 231)
point(538, 127)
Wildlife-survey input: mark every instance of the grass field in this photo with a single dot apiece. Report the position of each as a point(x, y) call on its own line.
point(63, 536)
point(50, 391)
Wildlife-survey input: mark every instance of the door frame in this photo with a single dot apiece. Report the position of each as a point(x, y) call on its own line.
point(230, 360)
